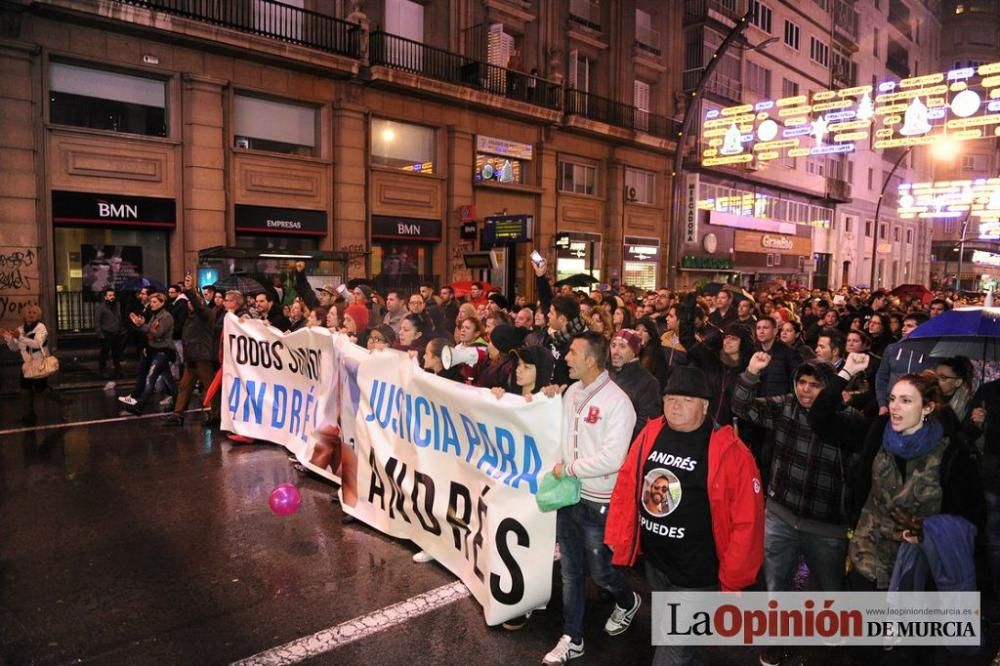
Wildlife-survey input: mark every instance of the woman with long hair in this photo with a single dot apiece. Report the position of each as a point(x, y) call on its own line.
point(621, 318)
point(791, 336)
point(31, 340)
point(651, 355)
point(414, 334)
point(955, 376)
point(877, 327)
point(599, 321)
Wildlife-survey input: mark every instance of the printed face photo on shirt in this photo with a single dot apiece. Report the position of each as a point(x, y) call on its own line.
point(661, 492)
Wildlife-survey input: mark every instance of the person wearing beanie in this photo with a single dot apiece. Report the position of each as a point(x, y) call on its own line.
point(638, 383)
point(498, 371)
point(356, 323)
point(805, 484)
point(688, 499)
point(381, 337)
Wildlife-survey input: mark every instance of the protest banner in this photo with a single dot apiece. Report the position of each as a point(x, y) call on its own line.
point(455, 470)
point(447, 466)
point(278, 387)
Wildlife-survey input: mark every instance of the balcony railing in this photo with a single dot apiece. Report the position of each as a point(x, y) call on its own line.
point(845, 20)
point(586, 12)
point(620, 115)
point(719, 85)
point(267, 18)
point(407, 55)
point(699, 10)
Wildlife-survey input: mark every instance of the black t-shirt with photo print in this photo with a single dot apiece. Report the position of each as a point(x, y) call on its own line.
point(675, 518)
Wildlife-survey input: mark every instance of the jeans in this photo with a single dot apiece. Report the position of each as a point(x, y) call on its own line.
point(580, 533)
point(155, 364)
point(993, 537)
point(784, 544)
point(673, 655)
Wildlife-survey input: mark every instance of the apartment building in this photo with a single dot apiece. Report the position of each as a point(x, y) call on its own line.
point(806, 218)
point(970, 37)
point(392, 140)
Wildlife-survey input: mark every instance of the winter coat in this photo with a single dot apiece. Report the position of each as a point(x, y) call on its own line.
point(642, 389)
point(108, 321)
point(198, 334)
point(735, 502)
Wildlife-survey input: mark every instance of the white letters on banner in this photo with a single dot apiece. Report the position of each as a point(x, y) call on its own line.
point(445, 465)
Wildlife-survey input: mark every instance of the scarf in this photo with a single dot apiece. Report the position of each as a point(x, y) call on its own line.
point(913, 446)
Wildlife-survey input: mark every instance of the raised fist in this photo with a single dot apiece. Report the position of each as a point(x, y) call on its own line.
point(856, 362)
point(758, 362)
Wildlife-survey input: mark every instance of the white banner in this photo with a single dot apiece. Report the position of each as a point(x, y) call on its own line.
point(442, 464)
point(279, 387)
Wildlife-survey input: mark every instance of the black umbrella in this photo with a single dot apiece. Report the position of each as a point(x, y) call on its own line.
point(578, 280)
point(240, 282)
point(970, 332)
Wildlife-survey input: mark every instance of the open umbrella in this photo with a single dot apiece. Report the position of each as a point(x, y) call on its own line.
point(970, 332)
point(240, 282)
point(353, 283)
point(142, 282)
point(913, 291)
point(463, 287)
point(577, 280)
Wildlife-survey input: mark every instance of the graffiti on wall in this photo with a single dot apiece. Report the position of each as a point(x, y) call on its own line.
point(18, 283)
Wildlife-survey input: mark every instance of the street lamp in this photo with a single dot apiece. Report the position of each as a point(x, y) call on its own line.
point(878, 210)
point(961, 249)
point(693, 102)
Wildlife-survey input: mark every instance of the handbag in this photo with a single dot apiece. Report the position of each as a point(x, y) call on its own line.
point(556, 493)
point(40, 368)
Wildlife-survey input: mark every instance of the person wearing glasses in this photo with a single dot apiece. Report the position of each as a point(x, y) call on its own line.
point(381, 337)
point(954, 376)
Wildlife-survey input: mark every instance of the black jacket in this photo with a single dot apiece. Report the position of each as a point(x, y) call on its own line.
point(198, 334)
point(108, 320)
point(275, 317)
point(776, 379)
point(988, 397)
point(642, 389)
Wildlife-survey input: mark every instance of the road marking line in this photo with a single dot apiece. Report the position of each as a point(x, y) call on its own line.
point(359, 628)
point(54, 426)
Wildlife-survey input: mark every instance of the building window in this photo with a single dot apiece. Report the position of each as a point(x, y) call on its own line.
point(816, 165)
point(871, 176)
point(868, 228)
point(896, 234)
point(640, 186)
point(403, 146)
point(882, 232)
point(819, 52)
point(848, 224)
point(792, 35)
point(99, 99)
point(909, 236)
point(789, 88)
point(974, 163)
point(502, 161)
point(761, 16)
point(640, 100)
point(577, 178)
point(278, 127)
point(579, 71)
point(875, 42)
point(758, 80)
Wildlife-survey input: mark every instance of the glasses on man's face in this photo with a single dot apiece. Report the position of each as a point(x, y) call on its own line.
point(947, 378)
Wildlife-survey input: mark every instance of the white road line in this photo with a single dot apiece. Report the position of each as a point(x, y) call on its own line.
point(361, 627)
point(67, 424)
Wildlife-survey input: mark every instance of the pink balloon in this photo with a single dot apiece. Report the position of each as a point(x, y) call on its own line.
point(284, 500)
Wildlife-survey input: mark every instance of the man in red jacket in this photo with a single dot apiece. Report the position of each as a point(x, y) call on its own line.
point(709, 533)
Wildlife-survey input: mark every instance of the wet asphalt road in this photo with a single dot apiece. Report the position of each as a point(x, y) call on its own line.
point(133, 542)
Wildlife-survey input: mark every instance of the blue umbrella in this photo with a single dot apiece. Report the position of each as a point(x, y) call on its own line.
point(970, 332)
point(141, 282)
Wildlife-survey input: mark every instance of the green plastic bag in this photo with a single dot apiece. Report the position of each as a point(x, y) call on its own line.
point(556, 493)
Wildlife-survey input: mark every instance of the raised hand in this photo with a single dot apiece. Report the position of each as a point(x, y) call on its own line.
point(758, 362)
point(856, 362)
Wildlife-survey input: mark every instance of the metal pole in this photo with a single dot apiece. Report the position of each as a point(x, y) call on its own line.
point(675, 244)
point(961, 251)
point(878, 210)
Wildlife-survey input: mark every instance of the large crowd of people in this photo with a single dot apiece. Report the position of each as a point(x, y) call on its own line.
point(727, 438)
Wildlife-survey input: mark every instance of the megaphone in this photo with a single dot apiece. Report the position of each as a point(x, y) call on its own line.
point(452, 356)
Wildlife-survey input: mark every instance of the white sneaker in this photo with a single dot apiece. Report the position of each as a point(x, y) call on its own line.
point(564, 650)
point(621, 618)
point(127, 399)
point(422, 557)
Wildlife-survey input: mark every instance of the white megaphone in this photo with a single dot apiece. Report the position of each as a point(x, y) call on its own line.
point(452, 356)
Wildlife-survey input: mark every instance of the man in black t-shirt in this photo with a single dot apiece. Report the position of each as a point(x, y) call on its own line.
point(695, 535)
